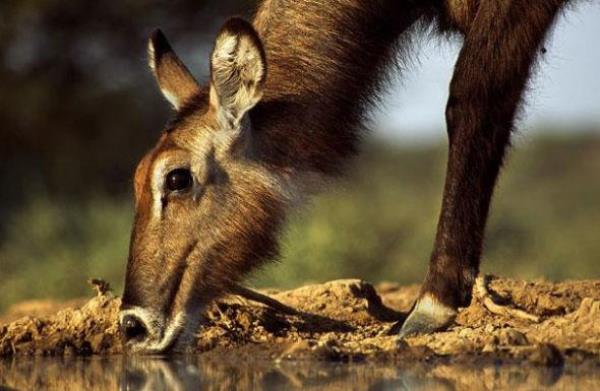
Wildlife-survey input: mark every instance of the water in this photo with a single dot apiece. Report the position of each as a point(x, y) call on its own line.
point(235, 373)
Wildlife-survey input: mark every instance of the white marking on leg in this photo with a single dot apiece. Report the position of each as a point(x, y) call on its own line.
point(431, 307)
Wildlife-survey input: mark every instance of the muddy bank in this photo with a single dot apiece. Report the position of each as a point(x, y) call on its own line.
point(345, 320)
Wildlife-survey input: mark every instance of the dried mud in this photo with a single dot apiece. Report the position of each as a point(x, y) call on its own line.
point(343, 320)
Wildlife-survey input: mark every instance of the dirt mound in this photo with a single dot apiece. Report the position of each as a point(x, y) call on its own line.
point(349, 320)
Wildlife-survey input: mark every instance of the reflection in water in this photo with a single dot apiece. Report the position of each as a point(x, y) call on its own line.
point(233, 373)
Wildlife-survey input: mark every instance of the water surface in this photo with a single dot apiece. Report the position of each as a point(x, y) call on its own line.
point(237, 373)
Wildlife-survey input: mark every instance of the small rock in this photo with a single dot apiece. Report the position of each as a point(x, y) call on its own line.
point(69, 350)
point(489, 348)
point(400, 343)
point(588, 308)
point(547, 355)
point(296, 349)
point(97, 342)
point(514, 337)
point(101, 286)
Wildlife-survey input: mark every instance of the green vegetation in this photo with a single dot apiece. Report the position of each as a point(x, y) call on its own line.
point(378, 224)
point(49, 249)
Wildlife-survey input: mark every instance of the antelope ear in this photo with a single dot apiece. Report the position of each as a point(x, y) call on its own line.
point(174, 79)
point(237, 71)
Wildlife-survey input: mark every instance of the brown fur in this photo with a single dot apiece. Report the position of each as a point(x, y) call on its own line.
point(326, 61)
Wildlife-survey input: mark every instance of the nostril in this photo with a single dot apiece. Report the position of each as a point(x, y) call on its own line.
point(132, 327)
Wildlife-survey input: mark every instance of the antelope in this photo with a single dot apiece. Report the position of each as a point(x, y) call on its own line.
point(281, 116)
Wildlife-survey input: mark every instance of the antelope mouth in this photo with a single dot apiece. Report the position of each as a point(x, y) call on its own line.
point(144, 332)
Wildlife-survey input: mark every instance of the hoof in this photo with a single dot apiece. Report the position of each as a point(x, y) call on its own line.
point(427, 316)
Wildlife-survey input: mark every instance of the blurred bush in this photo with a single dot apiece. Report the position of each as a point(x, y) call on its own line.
point(381, 224)
point(51, 248)
point(377, 224)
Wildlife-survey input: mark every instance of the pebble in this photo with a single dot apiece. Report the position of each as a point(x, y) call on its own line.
point(489, 348)
point(547, 355)
point(514, 337)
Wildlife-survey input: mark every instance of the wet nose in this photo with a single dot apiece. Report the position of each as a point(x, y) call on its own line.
point(133, 328)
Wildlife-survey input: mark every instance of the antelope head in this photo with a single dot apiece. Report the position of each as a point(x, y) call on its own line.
point(206, 210)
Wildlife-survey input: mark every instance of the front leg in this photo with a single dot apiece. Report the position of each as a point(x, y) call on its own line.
point(490, 75)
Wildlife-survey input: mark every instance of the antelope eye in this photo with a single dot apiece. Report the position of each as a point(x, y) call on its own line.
point(179, 179)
